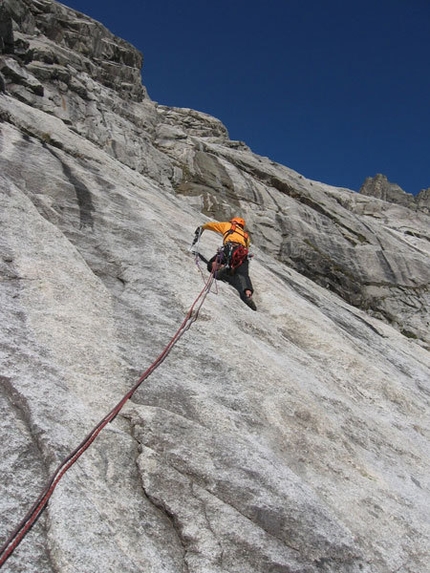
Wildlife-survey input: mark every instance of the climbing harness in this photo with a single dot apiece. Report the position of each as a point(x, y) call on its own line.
point(237, 255)
point(235, 228)
point(34, 513)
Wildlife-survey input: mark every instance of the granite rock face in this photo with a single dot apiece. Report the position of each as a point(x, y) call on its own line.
point(293, 439)
point(374, 254)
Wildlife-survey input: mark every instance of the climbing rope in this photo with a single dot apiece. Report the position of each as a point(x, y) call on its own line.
point(34, 513)
point(198, 258)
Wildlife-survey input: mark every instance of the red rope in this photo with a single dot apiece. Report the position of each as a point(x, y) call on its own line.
point(30, 519)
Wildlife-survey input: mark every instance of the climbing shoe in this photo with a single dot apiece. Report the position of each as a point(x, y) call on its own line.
point(248, 301)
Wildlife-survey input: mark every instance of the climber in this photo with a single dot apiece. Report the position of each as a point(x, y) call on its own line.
point(231, 262)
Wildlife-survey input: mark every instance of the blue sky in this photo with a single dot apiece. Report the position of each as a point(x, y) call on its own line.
point(338, 90)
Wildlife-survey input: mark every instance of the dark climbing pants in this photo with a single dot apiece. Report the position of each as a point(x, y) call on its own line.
point(237, 278)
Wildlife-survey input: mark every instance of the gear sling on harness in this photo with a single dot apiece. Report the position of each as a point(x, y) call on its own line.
point(230, 256)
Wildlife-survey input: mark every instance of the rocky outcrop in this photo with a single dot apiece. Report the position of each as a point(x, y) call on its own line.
point(294, 438)
point(381, 188)
point(73, 44)
point(423, 200)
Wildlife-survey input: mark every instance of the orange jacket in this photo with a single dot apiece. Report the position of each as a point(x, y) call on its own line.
point(237, 236)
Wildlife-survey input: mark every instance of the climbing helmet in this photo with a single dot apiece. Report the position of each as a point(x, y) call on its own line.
point(239, 221)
